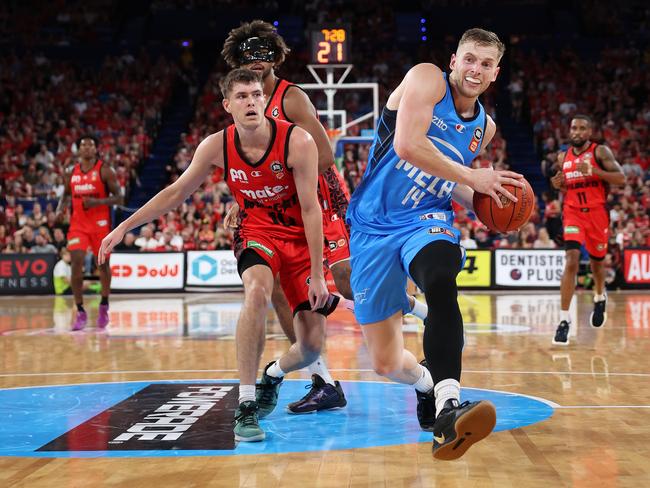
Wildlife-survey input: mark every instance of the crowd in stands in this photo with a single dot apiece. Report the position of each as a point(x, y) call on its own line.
point(45, 106)
point(121, 102)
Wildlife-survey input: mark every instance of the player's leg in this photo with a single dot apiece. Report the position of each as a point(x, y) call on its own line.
point(567, 289)
point(377, 277)
point(437, 261)
point(283, 310)
point(77, 245)
point(596, 243)
point(598, 316)
point(257, 277)
point(105, 280)
point(310, 339)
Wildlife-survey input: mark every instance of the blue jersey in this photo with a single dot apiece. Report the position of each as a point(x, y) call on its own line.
point(394, 194)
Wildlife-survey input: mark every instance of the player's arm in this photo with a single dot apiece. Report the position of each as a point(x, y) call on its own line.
point(611, 170)
point(64, 203)
point(558, 181)
point(423, 87)
point(109, 177)
point(208, 154)
point(303, 157)
point(463, 194)
point(299, 108)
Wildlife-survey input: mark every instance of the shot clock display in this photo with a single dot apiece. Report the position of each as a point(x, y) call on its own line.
point(330, 45)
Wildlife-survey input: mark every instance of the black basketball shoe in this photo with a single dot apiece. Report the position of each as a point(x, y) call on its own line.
point(459, 426)
point(266, 393)
point(321, 396)
point(426, 409)
point(599, 316)
point(562, 334)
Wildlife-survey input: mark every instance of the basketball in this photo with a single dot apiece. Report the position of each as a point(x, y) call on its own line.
point(513, 214)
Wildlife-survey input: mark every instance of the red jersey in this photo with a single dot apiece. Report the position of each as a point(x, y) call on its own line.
point(583, 191)
point(265, 190)
point(275, 105)
point(88, 185)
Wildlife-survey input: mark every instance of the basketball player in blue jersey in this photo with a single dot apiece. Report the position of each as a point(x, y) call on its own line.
point(402, 225)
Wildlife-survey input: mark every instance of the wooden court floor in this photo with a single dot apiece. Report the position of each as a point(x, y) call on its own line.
point(598, 434)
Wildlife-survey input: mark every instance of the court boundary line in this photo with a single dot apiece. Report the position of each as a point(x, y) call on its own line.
point(339, 370)
point(546, 401)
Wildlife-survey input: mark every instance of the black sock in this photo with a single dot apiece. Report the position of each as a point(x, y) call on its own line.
point(80, 307)
point(434, 270)
point(104, 301)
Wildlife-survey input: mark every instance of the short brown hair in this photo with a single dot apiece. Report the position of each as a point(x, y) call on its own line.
point(256, 28)
point(483, 37)
point(239, 75)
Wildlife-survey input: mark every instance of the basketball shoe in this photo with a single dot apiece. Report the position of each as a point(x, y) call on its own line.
point(80, 320)
point(426, 408)
point(247, 428)
point(266, 393)
point(599, 316)
point(102, 317)
point(562, 334)
point(459, 426)
point(321, 396)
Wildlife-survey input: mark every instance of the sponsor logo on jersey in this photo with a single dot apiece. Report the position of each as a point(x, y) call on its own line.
point(478, 135)
point(569, 175)
point(439, 123)
point(256, 174)
point(601, 246)
point(73, 241)
point(341, 242)
point(238, 175)
point(276, 167)
point(434, 216)
point(441, 230)
point(102, 223)
point(460, 128)
point(275, 112)
point(261, 247)
point(332, 245)
point(84, 187)
point(567, 165)
point(571, 229)
point(75, 178)
point(265, 193)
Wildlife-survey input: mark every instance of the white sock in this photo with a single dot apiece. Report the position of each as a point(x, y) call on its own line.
point(600, 298)
point(275, 370)
point(420, 309)
point(425, 383)
point(320, 368)
point(564, 315)
point(446, 390)
point(246, 393)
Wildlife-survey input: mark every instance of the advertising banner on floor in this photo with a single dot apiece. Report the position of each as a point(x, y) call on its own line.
point(148, 271)
point(27, 274)
point(212, 268)
point(636, 266)
point(528, 268)
point(477, 272)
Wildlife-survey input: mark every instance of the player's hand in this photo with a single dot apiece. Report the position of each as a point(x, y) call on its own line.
point(318, 293)
point(90, 202)
point(109, 242)
point(490, 182)
point(585, 168)
point(558, 181)
point(232, 217)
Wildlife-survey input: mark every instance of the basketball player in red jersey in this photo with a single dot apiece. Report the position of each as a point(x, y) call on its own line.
point(271, 168)
point(93, 188)
point(257, 46)
point(587, 170)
